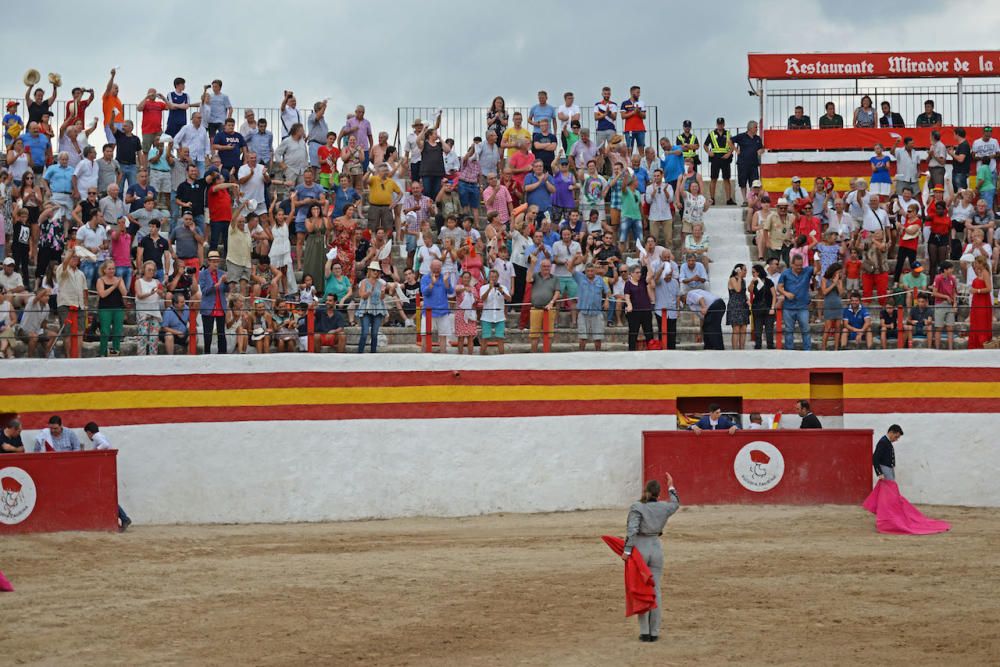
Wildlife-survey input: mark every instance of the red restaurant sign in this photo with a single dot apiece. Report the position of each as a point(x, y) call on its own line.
point(903, 65)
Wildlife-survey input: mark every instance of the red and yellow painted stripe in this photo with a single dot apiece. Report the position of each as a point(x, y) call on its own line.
point(226, 397)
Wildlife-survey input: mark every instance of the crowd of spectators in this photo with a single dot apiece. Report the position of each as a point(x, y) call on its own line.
point(566, 209)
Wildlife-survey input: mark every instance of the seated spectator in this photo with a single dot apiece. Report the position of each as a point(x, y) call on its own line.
point(864, 114)
point(929, 118)
point(889, 117)
point(857, 323)
point(55, 438)
point(693, 273)
point(328, 328)
point(33, 322)
point(798, 120)
point(174, 328)
point(920, 323)
point(831, 120)
point(889, 326)
point(697, 243)
point(714, 420)
point(795, 192)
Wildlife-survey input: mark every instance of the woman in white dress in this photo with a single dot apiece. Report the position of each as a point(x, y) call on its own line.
point(281, 249)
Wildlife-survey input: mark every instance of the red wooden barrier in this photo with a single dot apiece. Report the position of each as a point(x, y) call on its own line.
point(73, 321)
point(779, 327)
point(43, 493)
point(797, 467)
point(311, 327)
point(899, 326)
point(193, 327)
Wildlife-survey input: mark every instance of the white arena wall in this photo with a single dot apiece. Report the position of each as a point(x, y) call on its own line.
point(276, 470)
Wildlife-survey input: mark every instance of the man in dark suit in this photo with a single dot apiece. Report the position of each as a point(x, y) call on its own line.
point(714, 421)
point(809, 420)
point(889, 117)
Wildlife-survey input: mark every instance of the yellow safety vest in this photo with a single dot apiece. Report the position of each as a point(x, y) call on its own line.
point(681, 140)
point(716, 148)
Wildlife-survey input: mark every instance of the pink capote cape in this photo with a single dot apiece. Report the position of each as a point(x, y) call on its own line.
point(894, 513)
point(5, 585)
point(640, 590)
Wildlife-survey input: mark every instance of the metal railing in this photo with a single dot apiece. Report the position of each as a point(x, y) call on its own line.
point(969, 105)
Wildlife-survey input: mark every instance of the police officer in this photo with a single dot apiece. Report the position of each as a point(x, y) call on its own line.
point(719, 146)
point(689, 143)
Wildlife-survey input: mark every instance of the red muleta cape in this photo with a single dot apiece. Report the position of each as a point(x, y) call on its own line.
point(894, 513)
point(640, 592)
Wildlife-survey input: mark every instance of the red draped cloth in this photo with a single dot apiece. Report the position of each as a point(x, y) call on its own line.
point(894, 513)
point(640, 591)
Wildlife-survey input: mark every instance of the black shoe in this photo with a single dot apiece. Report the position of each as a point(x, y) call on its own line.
point(644, 638)
point(125, 524)
point(730, 202)
point(653, 638)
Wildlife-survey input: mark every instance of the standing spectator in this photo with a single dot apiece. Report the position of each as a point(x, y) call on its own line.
point(37, 146)
point(583, 152)
point(592, 292)
point(59, 178)
point(711, 309)
point(520, 163)
point(929, 118)
point(864, 114)
point(544, 295)
point(874, 264)
point(907, 163)
point(497, 199)
point(633, 110)
point(151, 107)
point(662, 275)
point(128, 147)
point(719, 146)
point(140, 191)
point(939, 242)
point(986, 186)
point(194, 137)
point(76, 106)
point(831, 120)
point(889, 117)
point(605, 113)
point(231, 147)
point(563, 202)
point(220, 207)
point(658, 196)
point(36, 103)
point(436, 289)
point(371, 305)
point(160, 165)
point(431, 159)
point(981, 306)
point(763, 298)
point(544, 144)
point(738, 308)
point(496, 117)
point(799, 120)
point(778, 229)
point(253, 179)
point(214, 290)
point(109, 172)
point(179, 102)
point(961, 161)
point(513, 136)
point(93, 237)
point(638, 307)
point(794, 286)
point(567, 114)
point(489, 155)
point(542, 111)
point(260, 141)
point(909, 230)
point(111, 292)
point(361, 129)
point(564, 255)
point(831, 288)
point(631, 216)
point(494, 296)
point(288, 113)
point(148, 295)
point(218, 104)
point(191, 196)
point(538, 188)
point(749, 148)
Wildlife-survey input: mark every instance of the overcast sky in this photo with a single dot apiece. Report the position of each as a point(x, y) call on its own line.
point(689, 62)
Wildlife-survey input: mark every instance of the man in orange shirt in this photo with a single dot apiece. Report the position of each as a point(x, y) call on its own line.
point(114, 110)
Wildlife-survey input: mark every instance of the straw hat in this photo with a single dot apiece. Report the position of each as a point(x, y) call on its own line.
point(417, 121)
point(55, 79)
point(911, 232)
point(32, 77)
point(375, 266)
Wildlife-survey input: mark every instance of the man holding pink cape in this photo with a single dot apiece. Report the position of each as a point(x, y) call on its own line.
point(894, 513)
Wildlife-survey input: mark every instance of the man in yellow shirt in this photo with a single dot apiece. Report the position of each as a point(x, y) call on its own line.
point(383, 193)
point(512, 136)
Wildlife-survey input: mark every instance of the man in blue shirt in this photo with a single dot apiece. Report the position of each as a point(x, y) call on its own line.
point(304, 197)
point(544, 144)
point(38, 145)
point(538, 188)
point(261, 142)
point(179, 104)
point(542, 110)
point(174, 328)
point(436, 288)
point(60, 179)
point(671, 160)
point(342, 197)
point(749, 147)
point(857, 322)
point(793, 284)
point(230, 144)
point(714, 421)
point(592, 303)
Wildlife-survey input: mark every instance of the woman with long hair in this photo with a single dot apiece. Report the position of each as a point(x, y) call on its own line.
point(496, 118)
point(763, 298)
point(314, 251)
point(646, 520)
point(738, 308)
point(639, 297)
point(111, 292)
point(831, 288)
point(981, 307)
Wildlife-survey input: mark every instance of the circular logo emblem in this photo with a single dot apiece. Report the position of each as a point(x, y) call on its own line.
point(17, 495)
point(759, 466)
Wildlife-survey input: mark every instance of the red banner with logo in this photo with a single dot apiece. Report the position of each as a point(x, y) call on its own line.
point(45, 493)
point(892, 65)
point(860, 138)
point(790, 467)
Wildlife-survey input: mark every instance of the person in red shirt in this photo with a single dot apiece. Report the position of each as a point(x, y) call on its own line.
point(152, 107)
point(220, 208)
point(939, 243)
point(520, 162)
point(328, 157)
point(808, 225)
point(77, 106)
point(633, 110)
point(909, 239)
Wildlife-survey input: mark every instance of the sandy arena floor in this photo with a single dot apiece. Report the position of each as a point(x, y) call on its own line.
point(745, 585)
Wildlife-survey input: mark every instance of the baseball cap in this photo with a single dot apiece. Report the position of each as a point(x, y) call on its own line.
point(917, 267)
point(938, 188)
point(988, 128)
point(12, 103)
point(687, 123)
point(757, 184)
point(8, 261)
point(796, 179)
point(720, 121)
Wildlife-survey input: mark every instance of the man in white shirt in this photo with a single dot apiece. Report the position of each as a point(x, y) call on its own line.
point(907, 165)
point(289, 113)
point(856, 199)
point(195, 138)
point(101, 442)
point(987, 146)
point(253, 178)
point(93, 237)
point(494, 296)
point(563, 253)
point(293, 155)
point(86, 173)
point(568, 111)
point(875, 217)
point(658, 196)
point(412, 149)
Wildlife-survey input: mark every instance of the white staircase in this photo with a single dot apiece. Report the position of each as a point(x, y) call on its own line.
point(724, 226)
